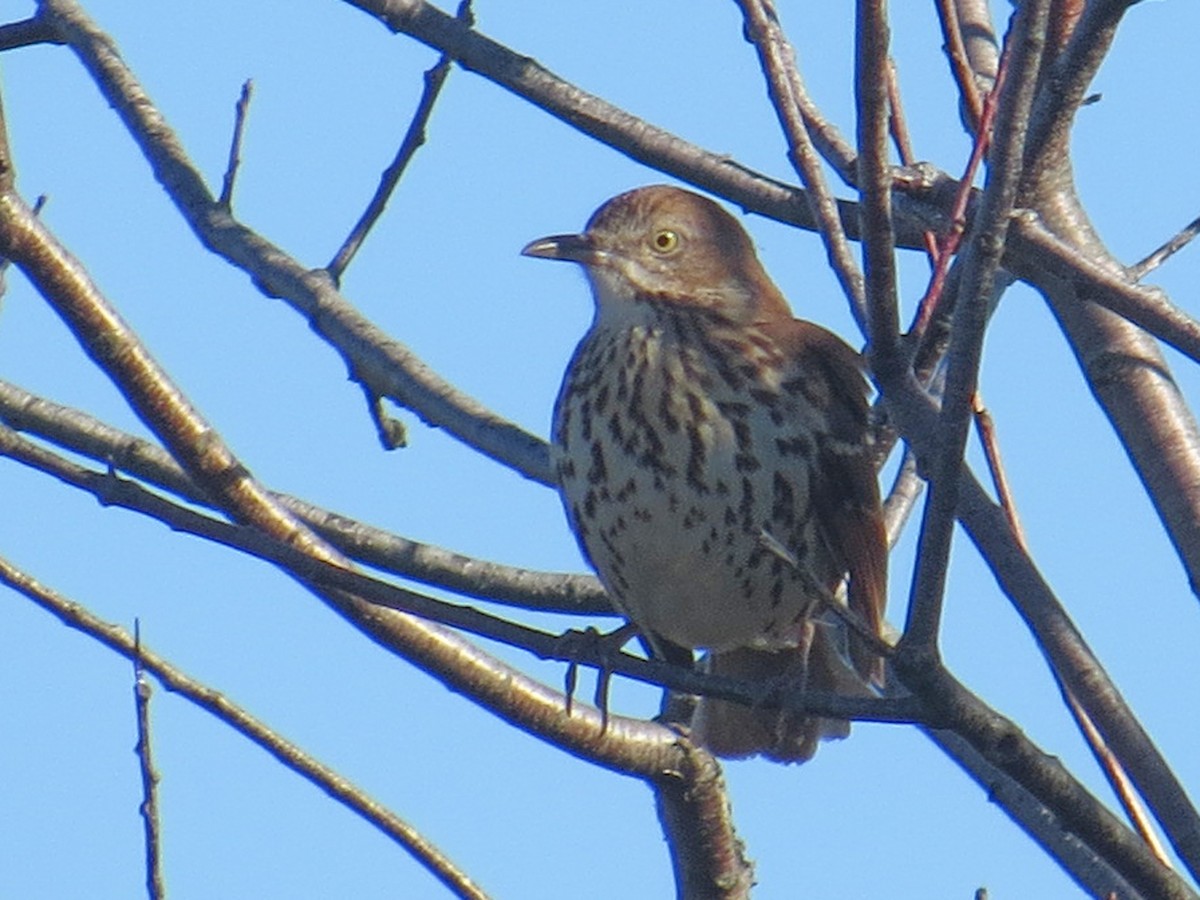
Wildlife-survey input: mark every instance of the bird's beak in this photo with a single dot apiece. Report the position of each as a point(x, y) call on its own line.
point(578, 248)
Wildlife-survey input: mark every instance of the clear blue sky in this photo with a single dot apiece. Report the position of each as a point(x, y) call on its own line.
point(881, 813)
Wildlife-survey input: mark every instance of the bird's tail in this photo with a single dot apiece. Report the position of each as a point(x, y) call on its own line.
point(734, 730)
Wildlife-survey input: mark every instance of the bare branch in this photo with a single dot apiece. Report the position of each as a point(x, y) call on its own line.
point(1088, 867)
point(723, 871)
point(235, 146)
point(76, 431)
point(142, 691)
point(1144, 267)
point(35, 30)
point(1001, 744)
point(879, 251)
point(970, 97)
point(788, 95)
point(1068, 653)
point(1066, 84)
point(985, 247)
point(74, 615)
point(385, 365)
point(1143, 305)
point(979, 40)
point(584, 725)
point(1117, 777)
point(985, 428)
point(414, 138)
point(543, 644)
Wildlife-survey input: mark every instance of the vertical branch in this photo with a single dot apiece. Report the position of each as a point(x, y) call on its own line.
point(149, 808)
point(235, 146)
point(875, 184)
point(1027, 40)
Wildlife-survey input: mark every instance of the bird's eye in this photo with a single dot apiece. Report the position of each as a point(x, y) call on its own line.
point(665, 241)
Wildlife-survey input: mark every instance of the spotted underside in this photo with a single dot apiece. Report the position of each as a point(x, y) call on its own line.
point(684, 464)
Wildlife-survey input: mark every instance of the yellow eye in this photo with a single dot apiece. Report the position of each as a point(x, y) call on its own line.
point(665, 241)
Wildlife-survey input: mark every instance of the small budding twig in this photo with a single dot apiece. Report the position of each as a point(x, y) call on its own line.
point(235, 146)
point(1144, 267)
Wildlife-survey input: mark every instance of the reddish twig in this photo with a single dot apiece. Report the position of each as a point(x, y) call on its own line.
point(949, 243)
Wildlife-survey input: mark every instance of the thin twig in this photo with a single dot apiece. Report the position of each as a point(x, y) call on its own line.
point(74, 615)
point(964, 76)
point(778, 61)
point(391, 431)
point(1146, 306)
point(902, 498)
point(898, 127)
point(149, 808)
point(1108, 762)
point(1144, 267)
point(1118, 780)
point(950, 241)
point(235, 146)
point(414, 138)
point(986, 429)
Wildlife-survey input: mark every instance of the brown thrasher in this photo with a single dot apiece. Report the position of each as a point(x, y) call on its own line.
point(715, 462)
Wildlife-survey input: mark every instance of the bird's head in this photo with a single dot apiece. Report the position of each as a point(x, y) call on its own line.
point(661, 244)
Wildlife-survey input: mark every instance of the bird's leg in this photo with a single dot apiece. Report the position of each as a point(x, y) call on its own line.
point(592, 646)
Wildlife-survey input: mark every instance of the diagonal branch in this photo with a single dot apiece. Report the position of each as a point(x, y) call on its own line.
point(1144, 305)
point(386, 365)
point(1068, 654)
point(80, 433)
point(74, 615)
point(788, 96)
point(1152, 261)
point(414, 137)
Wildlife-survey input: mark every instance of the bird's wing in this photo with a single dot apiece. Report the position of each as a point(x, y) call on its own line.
point(845, 490)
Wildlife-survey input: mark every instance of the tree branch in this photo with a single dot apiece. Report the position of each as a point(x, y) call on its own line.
point(985, 246)
point(546, 591)
point(788, 97)
point(74, 615)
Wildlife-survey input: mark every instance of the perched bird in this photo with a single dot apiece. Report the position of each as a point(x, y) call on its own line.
point(715, 462)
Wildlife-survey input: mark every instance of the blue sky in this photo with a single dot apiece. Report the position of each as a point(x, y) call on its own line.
point(883, 811)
